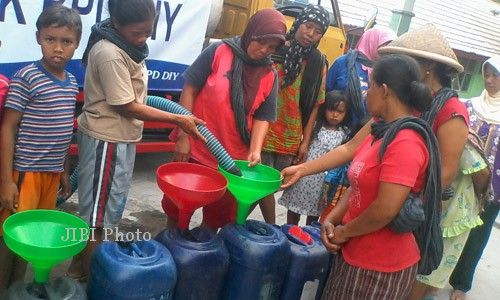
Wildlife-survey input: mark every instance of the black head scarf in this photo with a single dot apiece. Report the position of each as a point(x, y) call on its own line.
point(295, 53)
point(104, 30)
point(291, 58)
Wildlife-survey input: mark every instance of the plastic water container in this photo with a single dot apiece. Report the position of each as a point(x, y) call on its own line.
point(201, 259)
point(259, 255)
point(309, 264)
point(140, 270)
point(62, 288)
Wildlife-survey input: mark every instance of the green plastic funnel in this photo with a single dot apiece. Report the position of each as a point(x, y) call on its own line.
point(45, 238)
point(255, 183)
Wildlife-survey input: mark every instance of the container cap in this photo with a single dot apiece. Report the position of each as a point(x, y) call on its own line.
point(300, 234)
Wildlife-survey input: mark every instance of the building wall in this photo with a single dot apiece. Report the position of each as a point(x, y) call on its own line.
point(472, 66)
point(475, 88)
point(472, 36)
point(475, 62)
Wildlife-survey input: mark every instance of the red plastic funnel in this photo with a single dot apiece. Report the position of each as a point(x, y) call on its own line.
point(190, 186)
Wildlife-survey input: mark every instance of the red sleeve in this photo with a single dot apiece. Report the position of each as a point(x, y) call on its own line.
point(452, 108)
point(4, 88)
point(405, 160)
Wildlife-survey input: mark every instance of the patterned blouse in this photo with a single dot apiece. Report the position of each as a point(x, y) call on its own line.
point(285, 134)
point(490, 134)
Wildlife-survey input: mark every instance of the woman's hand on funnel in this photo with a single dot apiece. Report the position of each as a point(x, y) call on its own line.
point(291, 175)
point(182, 151)
point(254, 158)
point(9, 194)
point(188, 125)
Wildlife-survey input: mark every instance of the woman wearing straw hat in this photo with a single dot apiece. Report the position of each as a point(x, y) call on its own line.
point(449, 119)
point(485, 120)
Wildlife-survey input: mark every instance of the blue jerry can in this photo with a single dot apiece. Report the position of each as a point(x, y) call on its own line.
point(259, 255)
point(309, 264)
point(202, 261)
point(138, 270)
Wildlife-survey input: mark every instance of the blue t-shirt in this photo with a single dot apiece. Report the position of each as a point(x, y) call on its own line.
point(337, 76)
point(46, 127)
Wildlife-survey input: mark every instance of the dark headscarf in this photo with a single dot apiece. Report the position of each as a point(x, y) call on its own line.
point(295, 53)
point(247, 73)
point(354, 95)
point(104, 30)
point(291, 58)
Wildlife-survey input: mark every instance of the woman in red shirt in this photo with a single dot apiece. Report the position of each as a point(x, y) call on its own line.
point(449, 117)
point(233, 86)
point(380, 184)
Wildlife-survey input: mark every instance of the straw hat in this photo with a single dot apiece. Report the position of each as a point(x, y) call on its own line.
point(425, 42)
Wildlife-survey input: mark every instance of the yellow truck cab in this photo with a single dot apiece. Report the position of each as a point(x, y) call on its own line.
point(235, 15)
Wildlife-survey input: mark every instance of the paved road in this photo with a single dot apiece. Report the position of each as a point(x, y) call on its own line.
point(144, 212)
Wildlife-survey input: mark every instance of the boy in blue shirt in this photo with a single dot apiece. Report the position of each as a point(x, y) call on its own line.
point(37, 127)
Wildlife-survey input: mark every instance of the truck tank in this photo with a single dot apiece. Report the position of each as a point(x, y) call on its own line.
point(214, 17)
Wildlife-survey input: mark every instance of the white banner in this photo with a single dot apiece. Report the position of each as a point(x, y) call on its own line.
point(177, 36)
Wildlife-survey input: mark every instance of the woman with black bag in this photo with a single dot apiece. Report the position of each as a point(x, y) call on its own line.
point(376, 262)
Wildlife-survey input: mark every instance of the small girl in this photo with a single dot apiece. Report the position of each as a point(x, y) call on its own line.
point(330, 131)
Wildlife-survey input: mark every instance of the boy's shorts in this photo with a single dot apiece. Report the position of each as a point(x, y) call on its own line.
point(36, 190)
point(104, 179)
point(215, 215)
point(277, 160)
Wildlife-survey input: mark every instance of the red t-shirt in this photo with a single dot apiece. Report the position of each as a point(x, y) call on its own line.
point(452, 108)
point(404, 162)
point(4, 88)
point(213, 105)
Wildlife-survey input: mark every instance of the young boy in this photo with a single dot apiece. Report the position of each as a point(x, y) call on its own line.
point(112, 118)
point(37, 127)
